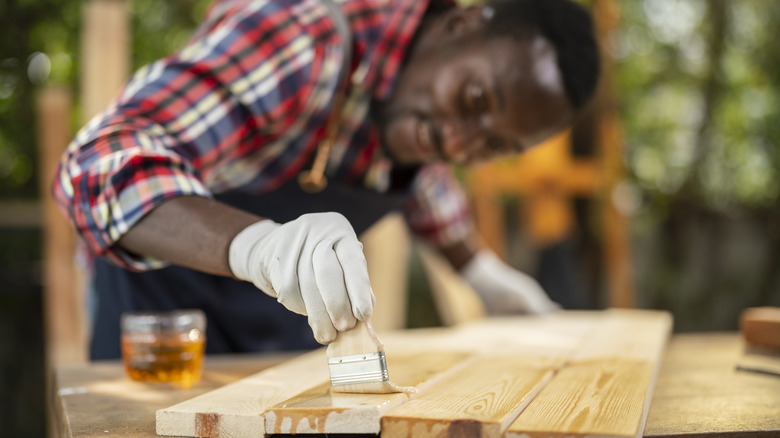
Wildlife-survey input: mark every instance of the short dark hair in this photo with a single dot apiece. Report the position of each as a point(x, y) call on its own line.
point(567, 25)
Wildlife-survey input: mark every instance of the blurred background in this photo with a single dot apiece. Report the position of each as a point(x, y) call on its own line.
point(685, 129)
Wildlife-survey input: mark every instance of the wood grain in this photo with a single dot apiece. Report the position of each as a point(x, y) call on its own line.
point(698, 394)
point(236, 410)
point(320, 410)
point(593, 398)
point(489, 394)
point(474, 380)
point(605, 389)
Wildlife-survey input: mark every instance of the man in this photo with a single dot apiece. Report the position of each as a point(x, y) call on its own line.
point(196, 164)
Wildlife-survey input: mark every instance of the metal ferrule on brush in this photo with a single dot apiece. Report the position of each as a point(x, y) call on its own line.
point(358, 368)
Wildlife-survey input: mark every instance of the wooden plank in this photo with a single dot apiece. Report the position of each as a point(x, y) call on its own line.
point(320, 410)
point(489, 394)
point(606, 388)
point(421, 360)
point(465, 386)
point(553, 335)
point(700, 395)
point(97, 399)
point(236, 410)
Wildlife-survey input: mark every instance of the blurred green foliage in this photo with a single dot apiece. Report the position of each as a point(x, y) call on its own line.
point(698, 85)
point(39, 43)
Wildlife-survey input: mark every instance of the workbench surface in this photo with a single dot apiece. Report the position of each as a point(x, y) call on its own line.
point(698, 393)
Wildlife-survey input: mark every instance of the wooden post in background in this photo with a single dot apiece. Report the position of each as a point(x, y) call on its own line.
point(66, 327)
point(105, 64)
point(104, 71)
point(617, 245)
point(105, 53)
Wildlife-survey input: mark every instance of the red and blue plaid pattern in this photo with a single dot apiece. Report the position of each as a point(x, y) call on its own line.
point(244, 104)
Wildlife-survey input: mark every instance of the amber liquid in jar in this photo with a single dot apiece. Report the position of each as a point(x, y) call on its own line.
point(173, 358)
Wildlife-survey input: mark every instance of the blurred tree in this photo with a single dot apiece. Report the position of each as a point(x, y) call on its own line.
point(39, 43)
point(699, 90)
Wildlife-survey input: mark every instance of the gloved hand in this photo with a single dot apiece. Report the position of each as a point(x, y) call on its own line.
point(313, 265)
point(503, 289)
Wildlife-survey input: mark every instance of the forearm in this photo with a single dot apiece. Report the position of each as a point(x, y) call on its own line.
point(190, 231)
point(462, 252)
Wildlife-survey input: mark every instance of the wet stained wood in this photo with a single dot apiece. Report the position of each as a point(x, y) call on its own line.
point(320, 410)
point(480, 399)
point(236, 409)
point(593, 373)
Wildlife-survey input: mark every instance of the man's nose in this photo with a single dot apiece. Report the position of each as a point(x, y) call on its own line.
point(457, 137)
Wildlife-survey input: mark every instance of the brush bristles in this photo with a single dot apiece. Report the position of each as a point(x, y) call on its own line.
point(384, 387)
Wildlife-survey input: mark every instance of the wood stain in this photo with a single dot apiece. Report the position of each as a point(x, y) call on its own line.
point(173, 358)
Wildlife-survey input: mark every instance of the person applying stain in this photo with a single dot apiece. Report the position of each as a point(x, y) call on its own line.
point(240, 170)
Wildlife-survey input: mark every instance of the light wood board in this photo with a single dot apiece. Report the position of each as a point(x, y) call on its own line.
point(472, 379)
point(489, 394)
point(235, 410)
point(605, 390)
point(320, 410)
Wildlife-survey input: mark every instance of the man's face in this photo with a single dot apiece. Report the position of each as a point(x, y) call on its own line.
point(467, 100)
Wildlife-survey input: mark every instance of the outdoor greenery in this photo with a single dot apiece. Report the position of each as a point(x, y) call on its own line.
point(39, 44)
point(698, 87)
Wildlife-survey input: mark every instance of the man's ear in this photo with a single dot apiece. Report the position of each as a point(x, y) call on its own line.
point(463, 21)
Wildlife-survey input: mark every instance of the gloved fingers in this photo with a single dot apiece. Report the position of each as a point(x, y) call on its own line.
point(319, 319)
point(353, 263)
point(533, 295)
point(286, 282)
point(330, 281)
point(264, 284)
point(323, 329)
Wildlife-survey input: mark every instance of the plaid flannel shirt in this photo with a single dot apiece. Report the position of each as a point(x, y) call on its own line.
point(243, 105)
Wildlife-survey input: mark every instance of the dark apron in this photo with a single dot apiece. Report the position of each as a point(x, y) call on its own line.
point(240, 318)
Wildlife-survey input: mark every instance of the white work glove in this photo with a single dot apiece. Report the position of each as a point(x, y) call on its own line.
point(503, 289)
point(313, 266)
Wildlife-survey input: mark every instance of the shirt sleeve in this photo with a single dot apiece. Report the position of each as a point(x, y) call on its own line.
point(221, 98)
point(438, 210)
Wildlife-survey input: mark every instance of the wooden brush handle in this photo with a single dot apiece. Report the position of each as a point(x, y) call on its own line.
point(359, 340)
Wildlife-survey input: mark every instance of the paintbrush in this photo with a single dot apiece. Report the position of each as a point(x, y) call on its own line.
point(357, 364)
